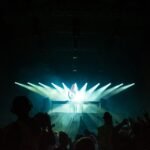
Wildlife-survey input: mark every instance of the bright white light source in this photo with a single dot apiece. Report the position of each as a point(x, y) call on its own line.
point(74, 70)
point(75, 57)
point(74, 94)
point(74, 100)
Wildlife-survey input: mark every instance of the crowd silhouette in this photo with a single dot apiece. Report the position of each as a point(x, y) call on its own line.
point(36, 133)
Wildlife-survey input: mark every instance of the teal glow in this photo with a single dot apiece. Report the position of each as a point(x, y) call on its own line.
point(77, 102)
point(76, 97)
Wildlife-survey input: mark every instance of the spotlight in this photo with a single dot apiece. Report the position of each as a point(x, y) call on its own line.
point(74, 95)
point(75, 57)
point(74, 70)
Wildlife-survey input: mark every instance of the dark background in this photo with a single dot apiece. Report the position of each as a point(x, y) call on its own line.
point(40, 38)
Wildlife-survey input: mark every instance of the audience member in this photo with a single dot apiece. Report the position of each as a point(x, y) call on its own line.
point(43, 130)
point(84, 143)
point(18, 135)
point(37, 133)
point(64, 142)
point(107, 134)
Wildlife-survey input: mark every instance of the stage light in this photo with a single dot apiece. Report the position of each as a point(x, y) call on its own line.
point(71, 102)
point(91, 90)
point(74, 70)
point(74, 96)
point(111, 90)
point(75, 57)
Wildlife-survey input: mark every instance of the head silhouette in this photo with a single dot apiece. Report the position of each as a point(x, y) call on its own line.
point(84, 143)
point(107, 118)
point(21, 106)
point(63, 139)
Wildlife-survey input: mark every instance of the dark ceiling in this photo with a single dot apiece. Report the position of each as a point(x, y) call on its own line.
point(41, 37)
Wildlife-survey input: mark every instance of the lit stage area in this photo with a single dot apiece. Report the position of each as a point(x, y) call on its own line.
point(75, 110)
